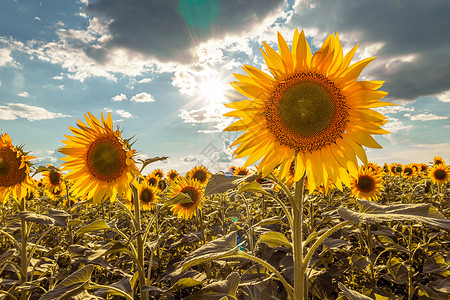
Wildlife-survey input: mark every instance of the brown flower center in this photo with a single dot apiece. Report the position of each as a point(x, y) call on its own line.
point(365, 183)
point(54, 178)
point(10, 174)
point(147, 196)
point(193, 193)
point(106, 158)
point(306, 112)
point(440, 174)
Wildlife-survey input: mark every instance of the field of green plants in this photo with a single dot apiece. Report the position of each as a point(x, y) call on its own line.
point(238, 247)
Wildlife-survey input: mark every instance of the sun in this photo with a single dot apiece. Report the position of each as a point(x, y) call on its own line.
point(213, 90)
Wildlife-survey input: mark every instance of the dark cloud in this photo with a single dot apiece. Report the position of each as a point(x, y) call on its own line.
point(414, 27)
point(167, 30)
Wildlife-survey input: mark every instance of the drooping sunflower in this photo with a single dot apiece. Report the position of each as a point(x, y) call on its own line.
point(368, 185)
point(241, 171)
point(147, 195)
point(158, 173)
point(438, 160)
point(161, 185)
point(172, 174)
point(408, 171)
point(311, 109)
point(424, 168)
point(200, 173)
point(440, 174)
point(100, 162)
point(53, 179)
point(14, 170)
point(191, 187)
point(395, 169)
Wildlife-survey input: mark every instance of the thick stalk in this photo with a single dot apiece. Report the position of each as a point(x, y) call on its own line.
point(23, 252)
point(410, 267)
point(297, 242)
point(140, 243)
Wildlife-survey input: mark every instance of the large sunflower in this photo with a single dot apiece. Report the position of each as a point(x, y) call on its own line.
point(440, 174)
point(368, 185)
point(14, 170)
point(99, 160)
point(193, 188)
point(311, 109)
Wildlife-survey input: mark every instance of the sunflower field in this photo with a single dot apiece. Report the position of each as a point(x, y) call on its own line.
point(306, 217)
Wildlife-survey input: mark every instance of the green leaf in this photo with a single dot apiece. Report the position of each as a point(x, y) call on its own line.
point(94, 226)
point(351, 294)
point(218, 248)
point(39, 170)
point(275, 239)
point(270, 221)
point(180, 198)
point(397, 269)
point(225, 289)
point(151, 160)
point(252, 187)
point(372, 212)
point(72, 285)
point(183, 283)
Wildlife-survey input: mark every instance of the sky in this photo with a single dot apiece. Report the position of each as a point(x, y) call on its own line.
point(162, 68)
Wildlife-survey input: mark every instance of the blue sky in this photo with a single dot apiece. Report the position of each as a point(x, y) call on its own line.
point(162, 69)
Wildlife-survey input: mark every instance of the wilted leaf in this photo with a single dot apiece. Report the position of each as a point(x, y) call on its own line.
point(360, 261)
point(275, 239)
point(219, 290)
point(36, 218)
point(94, 226)
point(252, 187)
point(183, 283)
point(215, 249)
point(372, 212)
point(351, 294)
point(219, 184)
point(180, 198)
point(72, 285)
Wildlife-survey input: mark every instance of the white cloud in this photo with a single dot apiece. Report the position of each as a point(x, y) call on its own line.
point(142, 97)
point(23, 94)
point(393, 109)
point(444, 97)
point(14, 111)
point(188, 159)
point(395, 125)
point(119, 97)
point(60, 77)
point(415, 153)
point(6, 58)
point(425, 117)
point(185, 80)
point(37, 18)
point(124, 114)
point(145, 80)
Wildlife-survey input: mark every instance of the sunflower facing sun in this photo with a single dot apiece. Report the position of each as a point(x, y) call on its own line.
point(440, 174)
point(14, 170)
point(368, 185)
point(148, 194)
point(99, 160)
point(311, 109)
point(191, 187)
point(200, 173)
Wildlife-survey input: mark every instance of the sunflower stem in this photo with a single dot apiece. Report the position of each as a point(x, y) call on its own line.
point(140, 243)
point(23, 252)
point(297, 242)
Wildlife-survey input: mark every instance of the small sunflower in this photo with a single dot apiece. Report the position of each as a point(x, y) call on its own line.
point(40, 184)
point(152, 180)
point(158, 173)
point(440, 174)
point(200, 173)
point(172, 174)
point(374, 167)
point(312, 109)
point(161, 185)
point(408, 171)
point(147, 195)
point(367, 185)
point(241, 171)
point(424, 168)
point(438, 160)
point(191, 187)
point(100, 162)
point(395, 169)
point(53, 179)
point(14, 170)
